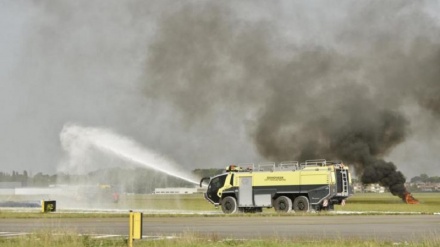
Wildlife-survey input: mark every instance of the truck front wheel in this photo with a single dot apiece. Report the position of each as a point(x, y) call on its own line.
point(283, 204)
point(229, 205)
point(301, 204)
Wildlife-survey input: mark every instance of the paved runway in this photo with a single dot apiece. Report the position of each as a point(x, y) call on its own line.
point(383, 227)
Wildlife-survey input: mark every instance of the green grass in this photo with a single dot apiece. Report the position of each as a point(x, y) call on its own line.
point(61, 239)
point(365, 202)
point(385, 202)
point(68, 239)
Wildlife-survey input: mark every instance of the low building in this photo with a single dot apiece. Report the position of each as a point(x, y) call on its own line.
point(10, 185)
point(180, 191)
point(368, 188)
point(429, 187)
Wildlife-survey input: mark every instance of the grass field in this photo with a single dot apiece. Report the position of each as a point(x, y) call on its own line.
point(365, 202)
point(385, 202)
point(66, 239)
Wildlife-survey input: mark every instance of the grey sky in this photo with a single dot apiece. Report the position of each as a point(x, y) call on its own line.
point(87, 62)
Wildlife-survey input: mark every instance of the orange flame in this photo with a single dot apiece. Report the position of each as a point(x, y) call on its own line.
point(409, 199)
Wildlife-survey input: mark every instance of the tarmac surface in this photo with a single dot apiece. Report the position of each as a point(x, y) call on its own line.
point(372, 227)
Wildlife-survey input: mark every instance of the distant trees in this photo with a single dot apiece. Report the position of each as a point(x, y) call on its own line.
point(137, 180)
point(15, 177)
point(42, 180)
point(424, 178)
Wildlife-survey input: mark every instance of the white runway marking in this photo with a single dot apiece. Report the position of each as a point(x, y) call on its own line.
point(93, 236)
point(12, 234)
point(105, 236)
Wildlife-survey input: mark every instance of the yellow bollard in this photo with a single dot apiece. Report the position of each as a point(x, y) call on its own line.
point(135, 231)
point(48, 206)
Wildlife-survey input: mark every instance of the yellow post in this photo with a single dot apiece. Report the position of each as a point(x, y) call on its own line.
point(130, 233)
point(48, 206)
point(135, 231)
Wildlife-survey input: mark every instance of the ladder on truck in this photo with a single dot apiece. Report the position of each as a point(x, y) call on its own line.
point(344, 181)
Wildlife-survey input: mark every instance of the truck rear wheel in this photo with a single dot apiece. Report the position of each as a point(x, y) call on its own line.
point(282, 204)
point(229, 205)
point(301, 204)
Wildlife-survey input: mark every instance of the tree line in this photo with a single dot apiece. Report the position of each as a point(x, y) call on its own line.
point(138, 180)
point(26, 180)
point(424, 178)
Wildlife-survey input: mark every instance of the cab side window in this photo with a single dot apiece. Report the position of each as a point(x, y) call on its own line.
point(217, 182)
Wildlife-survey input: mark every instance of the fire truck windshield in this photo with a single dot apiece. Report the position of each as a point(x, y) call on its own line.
point(215, 184)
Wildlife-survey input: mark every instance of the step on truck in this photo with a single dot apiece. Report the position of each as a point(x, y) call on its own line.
point(313, 185)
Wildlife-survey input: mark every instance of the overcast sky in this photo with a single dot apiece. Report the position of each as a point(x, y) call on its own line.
point(112, 64)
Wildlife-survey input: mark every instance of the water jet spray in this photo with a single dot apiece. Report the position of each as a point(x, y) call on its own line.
point(77, 141)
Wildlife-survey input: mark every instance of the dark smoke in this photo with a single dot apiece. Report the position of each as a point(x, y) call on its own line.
point(338, 100)
point(310, 118)
point(204, 58)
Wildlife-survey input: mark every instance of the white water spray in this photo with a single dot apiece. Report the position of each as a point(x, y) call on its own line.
point(77, 141)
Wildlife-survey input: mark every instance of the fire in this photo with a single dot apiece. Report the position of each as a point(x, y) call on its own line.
point(409, 199)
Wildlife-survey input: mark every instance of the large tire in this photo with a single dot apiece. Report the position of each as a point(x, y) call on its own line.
point(282, 204)
point(229, 205)
point(301, 204)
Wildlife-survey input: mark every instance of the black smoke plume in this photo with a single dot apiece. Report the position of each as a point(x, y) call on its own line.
point(341, 98)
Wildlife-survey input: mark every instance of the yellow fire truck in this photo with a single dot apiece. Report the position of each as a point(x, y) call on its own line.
point(312, 185)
